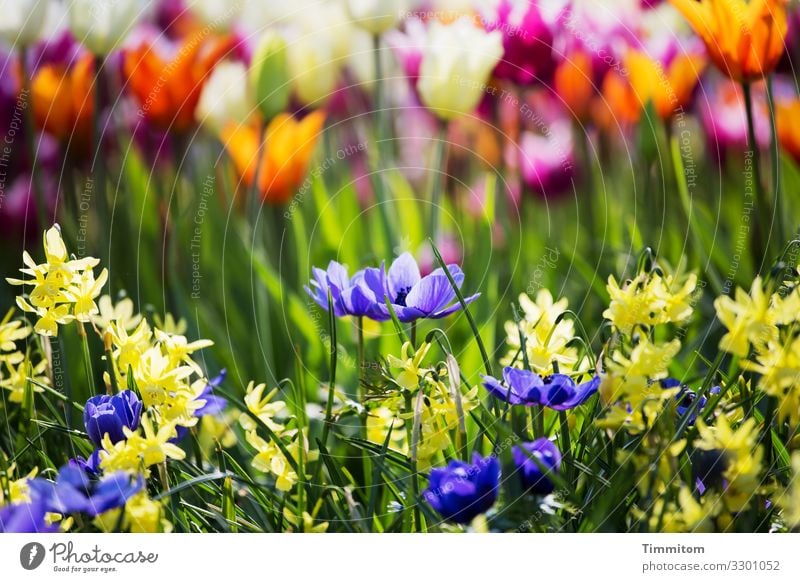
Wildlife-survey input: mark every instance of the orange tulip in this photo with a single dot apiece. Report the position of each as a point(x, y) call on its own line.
point(63, 100)
point(669, 88)
point(573, 83)
point(168, 92)
point(788, 121)
point(283, 161)
point(618, 104)
point(745, 39)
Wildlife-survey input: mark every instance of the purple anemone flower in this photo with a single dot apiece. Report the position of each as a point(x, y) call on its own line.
point(534, 478)
point(556, 391)
point(74, 492)
point(460, 491)
point(415, 297)
point(213, 404)
point(686, 397)
point(411, 295)
point(25, 518)
point(106, 414)
point(360, 295)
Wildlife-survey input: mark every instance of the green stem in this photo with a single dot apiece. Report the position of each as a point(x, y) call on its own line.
point(87, 356)
point(381, 133)
point(332, 382)
point(439, 178)
point(776, 165)
point(30, 142)
point(761, 238)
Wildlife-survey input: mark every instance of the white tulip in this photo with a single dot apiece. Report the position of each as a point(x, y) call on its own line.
point(318, 49)
point(22, 21)
point(103, 25)
point(457, 62)
point(225, 97)
point(377, 16)
point(217, 14)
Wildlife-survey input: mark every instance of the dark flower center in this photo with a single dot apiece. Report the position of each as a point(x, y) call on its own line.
point(401, 296)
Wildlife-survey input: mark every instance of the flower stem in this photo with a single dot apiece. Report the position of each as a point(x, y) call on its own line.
point(761, 239)
point(439, 177)
point(776, 165)
point(381, 133)
point(87, 356)
point(30, 142)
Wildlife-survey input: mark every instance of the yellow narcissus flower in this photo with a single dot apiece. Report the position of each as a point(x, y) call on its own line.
point(82, 293)
point(141, 515)
point(545, 340)
point(410, 362)
point(128, 348)
point(63, 289)
point(308, 521)
point(270, 459)
point(736, 458)
point(15, 379)
point(779, 367)
point(122, 314)
point(179, 349)
point(11, 332)
point(157, 376)
point(648, 300)
point(18, 490)
point(748, 319)
point(139, 451)
point(789, 499)
point(744, 39)
point(380, 421)
point(263, 407)
point(628, 389)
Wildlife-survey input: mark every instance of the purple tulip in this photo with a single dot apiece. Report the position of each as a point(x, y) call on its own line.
point(460, 491)
point(534, 478)
point(556, 391)
point(110, 414)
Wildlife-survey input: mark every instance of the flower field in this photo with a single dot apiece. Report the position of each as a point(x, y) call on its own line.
point(399, 266)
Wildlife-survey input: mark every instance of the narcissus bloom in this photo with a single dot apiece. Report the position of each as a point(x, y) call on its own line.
point(168, 90)
point(744, 39)
point(534, 475)
point(281, 161)
point(556, 391)
point(461, 491)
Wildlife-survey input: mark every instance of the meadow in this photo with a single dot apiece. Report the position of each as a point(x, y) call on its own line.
point(394, 266)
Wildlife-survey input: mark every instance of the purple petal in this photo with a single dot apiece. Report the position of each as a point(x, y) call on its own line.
point(403, 275)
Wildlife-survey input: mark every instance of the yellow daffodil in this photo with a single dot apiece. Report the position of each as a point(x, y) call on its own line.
point(156, 376)
point(410, 362)
point(128, 348)
point(546, 341)
point(263, 407)
point(748, 319)
point(141, 450)
point(141, 515)
point(789, 499)
point(648, 300)
point(122, 314)
point(16, 378)
point(741, 458)
point(82, 293)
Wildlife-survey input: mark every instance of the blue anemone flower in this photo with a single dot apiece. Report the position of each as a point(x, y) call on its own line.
point(556, 391)
point(74, 492)
point(415, 297)
point(533, 477)
point(360, 295)
point(411, 296)
point(461, 491)
point(686, 397)
point(106, 414)
point(25, 518)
